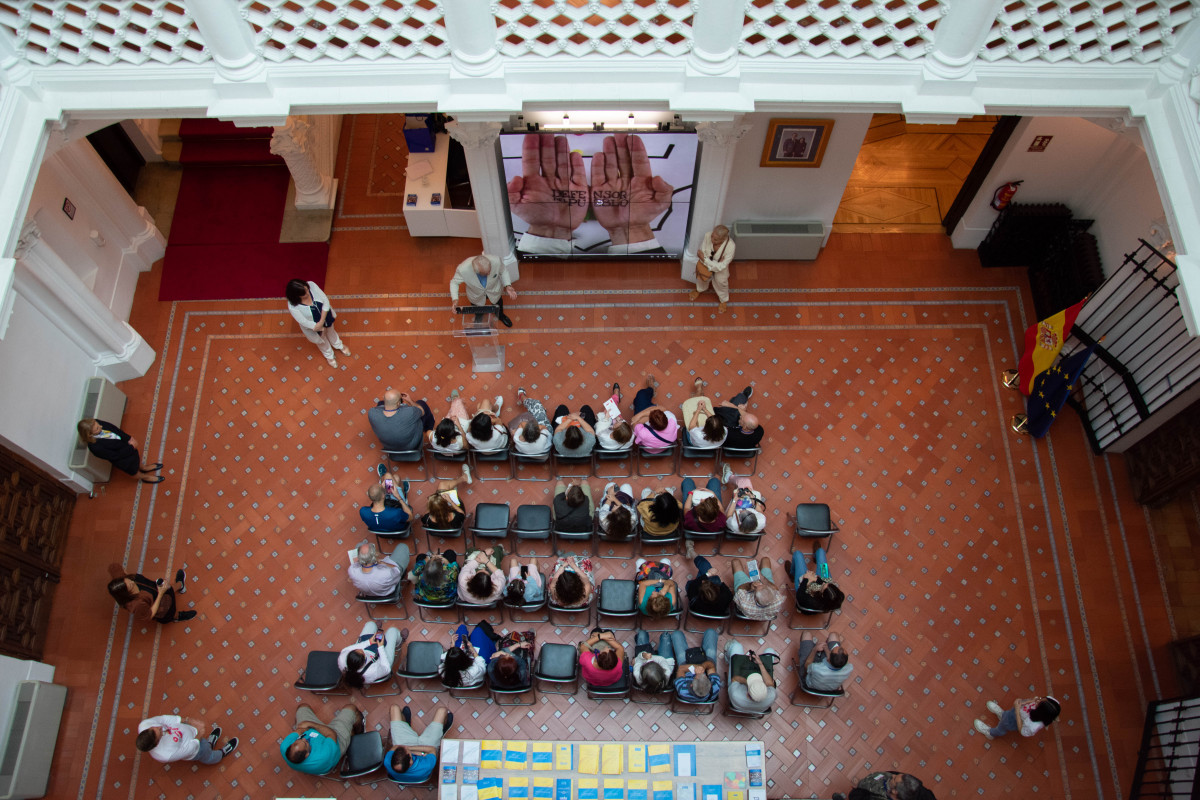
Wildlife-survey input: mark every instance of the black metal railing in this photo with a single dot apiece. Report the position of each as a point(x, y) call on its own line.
point(1166, 765)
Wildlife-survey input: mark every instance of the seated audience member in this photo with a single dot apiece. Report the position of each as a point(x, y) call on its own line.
point(702, 507)
point(813, 593)
point(435, 577)
point(450, 435)
point(657, 594)
point(169, 737)
point(751, 677)
point(145, 598)
point(445, 510)
point(706, 593)
point(653, 670)
point(654, 428)
point(399, 421)
point(485, 431)
point(705, 429)
point(481, 581)
point(758, 599)
point(314, 747)
point(388, 511)
point(529, 430)
point(742, 428)
point(890, 786)
point(696, 678)
point(573, 507)
point(413, 757)
point(524, 585)
point(747, 510)
point(659, 512)
point(616, 511)
point(509, 666)
point(465, 663)
point(824, 666)
point(370, 659)
point(574, 434)
point(571, 582)
point(601, 659)
point(612, 431)
point(377, 575)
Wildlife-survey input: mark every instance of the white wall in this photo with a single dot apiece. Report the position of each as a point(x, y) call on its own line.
point(1098, 173)
point(766, 193)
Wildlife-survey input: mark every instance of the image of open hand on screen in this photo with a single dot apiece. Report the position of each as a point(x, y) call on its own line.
point(551, 193)
point(626, 194)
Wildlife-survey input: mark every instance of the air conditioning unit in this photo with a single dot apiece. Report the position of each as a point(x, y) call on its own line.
point(32, 732)
point(777, 240)
point(101, 400)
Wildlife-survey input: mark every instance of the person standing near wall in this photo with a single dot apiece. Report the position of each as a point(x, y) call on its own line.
point(314, 314)
point(712, 266)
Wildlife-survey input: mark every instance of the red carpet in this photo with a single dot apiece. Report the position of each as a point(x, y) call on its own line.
point(224, 242)
point(237, 271)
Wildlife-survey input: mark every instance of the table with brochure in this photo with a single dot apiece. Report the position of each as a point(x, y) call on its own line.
point(518, 769)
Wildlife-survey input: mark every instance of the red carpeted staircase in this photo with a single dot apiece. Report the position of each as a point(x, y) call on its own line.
point(224, 241)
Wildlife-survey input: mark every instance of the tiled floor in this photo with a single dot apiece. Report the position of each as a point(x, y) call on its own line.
point(976, 563)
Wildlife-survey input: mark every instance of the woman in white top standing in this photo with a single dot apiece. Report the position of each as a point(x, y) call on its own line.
point(314, 314)
point(1027, 716)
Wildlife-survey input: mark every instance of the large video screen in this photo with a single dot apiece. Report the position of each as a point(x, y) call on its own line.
point(603, 195)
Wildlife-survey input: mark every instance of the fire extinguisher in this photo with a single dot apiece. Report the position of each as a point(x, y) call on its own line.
point(1004, 195)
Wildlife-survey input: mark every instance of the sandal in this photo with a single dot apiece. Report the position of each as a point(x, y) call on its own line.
point(155, 479)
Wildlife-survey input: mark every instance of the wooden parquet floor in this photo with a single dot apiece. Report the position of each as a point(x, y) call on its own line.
point(976, 564)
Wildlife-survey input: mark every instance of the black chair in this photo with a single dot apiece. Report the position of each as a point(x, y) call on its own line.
point(742, 453)
point(667, 545)
point(491, 522)
point(528, 608)
point(363, 757)
point(728, 710)
point(560, 460)
point(813, 521)
point(721, 619)
point(430, 782)
point(552, 609)
point(690, 453)
point(408, 457)
point(650, 625)
point(426, 605)
point(365, 691)
point(705, 536)
point(616, 597)
point(396, 598)
point(667, 452)
point(511, 696)
point(557, 664)
point(738, 536)
point(391, 536)
point(602, 537)
point(617, 691)
point(532, 524)
point(421, 661)
point(601, 456)
point(466, 608)
point(443, 533)
point(321, 674)
point(801, 686)
point(701, 708)
point(571, 536)
point(445, 458)
point(475, 691)
point(801, 612)
point(519, 458)
point(490, 457)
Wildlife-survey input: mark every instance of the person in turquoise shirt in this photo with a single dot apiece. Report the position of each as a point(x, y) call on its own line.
point(316, 748)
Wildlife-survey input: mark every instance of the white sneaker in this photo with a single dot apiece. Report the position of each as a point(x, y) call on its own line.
point(332, 362)
point(345, 350)
point(995, 708)
point(982, 727)
point(726, 473)
point(499, 404)
point(467, 475)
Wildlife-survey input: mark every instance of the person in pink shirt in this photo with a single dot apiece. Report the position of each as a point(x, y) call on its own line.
point(601, 659)
point(654, 427)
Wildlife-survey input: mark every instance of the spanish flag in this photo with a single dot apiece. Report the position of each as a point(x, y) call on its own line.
point(1043, 343)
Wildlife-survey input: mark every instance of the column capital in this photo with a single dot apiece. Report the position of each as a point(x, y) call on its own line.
point(229, 37)
point(721, 134)
point(29, 237)
point(957, 38)
point(296, 143)
point(474, 135)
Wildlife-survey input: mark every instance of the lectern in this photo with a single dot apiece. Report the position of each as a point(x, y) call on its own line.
point(479, 329)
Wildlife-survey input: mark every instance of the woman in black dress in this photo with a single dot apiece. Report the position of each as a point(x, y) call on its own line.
point(109, 442)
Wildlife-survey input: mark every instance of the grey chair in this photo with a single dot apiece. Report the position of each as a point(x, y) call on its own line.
point(666, 453)
point(523, 608)
point(561, 462)
point(445, 458)
point(696, 537)
point(500, 456)
point(602, 456)
point(532, 523)
point(616, 691)
point(803, 688)
point(394, 598)
point(443, 533)
point(693, 455)
point(490, 522)
point(391, 536)
point(363, 757)
point(616, 597)
point(743, 454)
point(420, 666)
point(519, 458)
point(557, 664)
point(321, 674)
point(408, 457)
point(561, 536)
point(813, 521)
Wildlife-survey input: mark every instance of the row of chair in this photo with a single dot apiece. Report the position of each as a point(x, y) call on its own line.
point(563, 467)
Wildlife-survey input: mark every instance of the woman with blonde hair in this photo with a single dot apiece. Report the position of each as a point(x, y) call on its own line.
point(107, 441)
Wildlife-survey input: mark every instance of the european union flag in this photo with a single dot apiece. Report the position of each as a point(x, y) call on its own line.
point(1051, 390)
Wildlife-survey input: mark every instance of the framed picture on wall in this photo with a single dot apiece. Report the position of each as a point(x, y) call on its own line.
point(796, 142)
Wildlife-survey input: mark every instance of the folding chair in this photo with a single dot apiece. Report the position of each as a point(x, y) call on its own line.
point(738, 536)
point(476, 691)
point(427, 605)
point(671, 543)
point(721, 619)
point(645, 621)
point(557, 664)
point(700, 708)
point(571, 536)
point(510, 696)
point(650, 454)
point(586, 610)
point(408, 457)
point(738, 617)
point(389, 678)
point(391, 536)
point(442, 533)
point(808, 612)
point(321, 674)
point(705, 536)
point(632, 539)
point(363, 757)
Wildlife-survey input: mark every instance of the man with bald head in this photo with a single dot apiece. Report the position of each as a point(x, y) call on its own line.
point(741, 427)
point(399, 421)
point(486, 281)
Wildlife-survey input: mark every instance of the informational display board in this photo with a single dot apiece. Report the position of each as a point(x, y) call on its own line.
point(599, 195)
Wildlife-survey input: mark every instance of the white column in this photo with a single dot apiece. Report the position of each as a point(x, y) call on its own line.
point(1180, 66)
point(471, 34)
point(300, 144)
point(49, 285)
point(487, 187)
point(958, 37)
point(13, 68)
point(229, 37)
point(718, 143)
point(716, 34)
